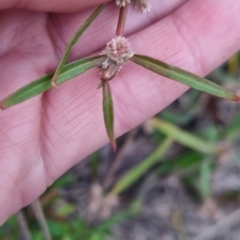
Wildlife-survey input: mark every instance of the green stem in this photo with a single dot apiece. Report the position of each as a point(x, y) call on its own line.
point(134, 174)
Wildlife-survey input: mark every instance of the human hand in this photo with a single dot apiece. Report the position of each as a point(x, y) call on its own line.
point(43, 137)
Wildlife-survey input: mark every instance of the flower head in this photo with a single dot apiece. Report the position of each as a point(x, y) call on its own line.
point(118, 51)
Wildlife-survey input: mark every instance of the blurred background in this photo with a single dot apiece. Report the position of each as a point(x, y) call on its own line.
point(175, 177)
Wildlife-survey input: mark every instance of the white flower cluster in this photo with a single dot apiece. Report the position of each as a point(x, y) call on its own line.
point(118, 51)
point(142, 5)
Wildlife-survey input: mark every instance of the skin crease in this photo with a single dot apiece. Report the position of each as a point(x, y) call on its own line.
point(43, 137)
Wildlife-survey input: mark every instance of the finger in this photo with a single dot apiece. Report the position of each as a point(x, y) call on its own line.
point(198, 37)
point(51, 6)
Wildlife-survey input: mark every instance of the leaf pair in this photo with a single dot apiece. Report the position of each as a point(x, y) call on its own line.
point(174, 73)
point(66, 72)
point(62, 73)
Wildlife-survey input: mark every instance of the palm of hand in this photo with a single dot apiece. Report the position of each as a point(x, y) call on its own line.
point(43, 137)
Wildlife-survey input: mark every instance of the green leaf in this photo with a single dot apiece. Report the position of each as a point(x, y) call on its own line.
point(183, 76)
point(44, 83)
point(73, 41)
point(185, 138)
point(108, 113)
point(134, 174)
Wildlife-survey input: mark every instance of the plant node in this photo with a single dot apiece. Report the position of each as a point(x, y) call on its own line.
point(117, 52)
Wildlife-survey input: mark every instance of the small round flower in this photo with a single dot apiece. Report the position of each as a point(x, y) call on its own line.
point(117, 52)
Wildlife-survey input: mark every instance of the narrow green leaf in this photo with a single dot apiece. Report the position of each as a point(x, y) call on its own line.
point(185, 138)
point(108, 113)
point(183, 76)
point(134, 174)
point(73, 41)
point(44, 83)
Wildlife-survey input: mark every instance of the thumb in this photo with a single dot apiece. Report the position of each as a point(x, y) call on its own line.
point(51, 5)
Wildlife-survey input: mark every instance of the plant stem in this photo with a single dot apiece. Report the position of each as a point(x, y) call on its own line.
point(25, 232)
point(122, 20)
point(134, 174)
point(38, 212)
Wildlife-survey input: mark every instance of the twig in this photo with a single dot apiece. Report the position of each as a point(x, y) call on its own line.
point(38, 212)
point(26, 235)
point(220, 227)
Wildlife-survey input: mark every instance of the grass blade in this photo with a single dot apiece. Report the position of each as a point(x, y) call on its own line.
point(108, 113)
point(73, 41)
point(183, 137)
point(184, 77)
point(134, 174)
point(44, 83)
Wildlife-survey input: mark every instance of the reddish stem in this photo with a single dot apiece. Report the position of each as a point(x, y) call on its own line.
point(122, 20)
